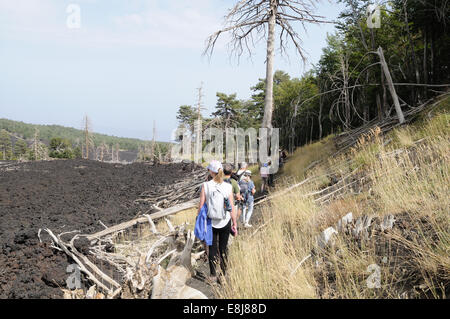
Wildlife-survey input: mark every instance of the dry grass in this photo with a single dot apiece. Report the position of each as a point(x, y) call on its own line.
point(186, 216)
point(299, 161)
point(407, 177)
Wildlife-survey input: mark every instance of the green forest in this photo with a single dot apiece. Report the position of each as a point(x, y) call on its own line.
point(17, 140)
point(347, 88)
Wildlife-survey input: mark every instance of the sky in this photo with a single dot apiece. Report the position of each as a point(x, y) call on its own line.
point(129, 63)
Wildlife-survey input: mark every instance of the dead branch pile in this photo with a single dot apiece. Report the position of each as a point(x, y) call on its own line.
point(183, 190)
point(348, 139)
point(137, 262)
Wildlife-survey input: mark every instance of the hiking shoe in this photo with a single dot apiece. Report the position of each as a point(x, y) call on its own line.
point(247, 225)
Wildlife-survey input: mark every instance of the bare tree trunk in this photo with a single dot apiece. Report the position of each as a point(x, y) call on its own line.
point(87, 137)
point(425, 59)
point(152, 155)
point(117, 152)
point(398, 109)
point(384, 104)
point(345, 80)
point(413, 54)
point(432, 58)
point(292, 137)
point(319, 118)
point(380, 112)
point(198, 131)
point(36, 132)
point(268, 100)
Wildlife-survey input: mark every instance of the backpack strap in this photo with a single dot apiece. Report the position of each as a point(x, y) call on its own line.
point(205, 186)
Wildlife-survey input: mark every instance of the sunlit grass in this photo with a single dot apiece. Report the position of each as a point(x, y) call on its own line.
point(408, 177)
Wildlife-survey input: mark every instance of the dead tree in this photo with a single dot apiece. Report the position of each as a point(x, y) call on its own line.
point(101, 150)
point(156, 150)
point(116, 151)
point(87, 136)
point(384, 65)
point(35, 143)
point(250, 21)
point(198, 126)
point(153, 141)
point(39, 148)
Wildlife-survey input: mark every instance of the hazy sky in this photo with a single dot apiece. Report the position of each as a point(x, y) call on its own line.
point(131, 62)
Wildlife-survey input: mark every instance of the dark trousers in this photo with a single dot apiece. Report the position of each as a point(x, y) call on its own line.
point(218, 250)
point(270, 182)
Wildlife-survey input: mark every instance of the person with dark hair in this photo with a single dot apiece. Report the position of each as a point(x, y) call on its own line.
point(218, 197)
point(264, 172)
point(227, 172)
point(242, 168)
point(247, 191)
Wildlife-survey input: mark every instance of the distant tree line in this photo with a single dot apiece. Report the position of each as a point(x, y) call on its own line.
point(20, 140)
point(75, 136)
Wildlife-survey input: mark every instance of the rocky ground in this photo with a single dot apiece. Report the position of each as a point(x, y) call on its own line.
point(64, 195)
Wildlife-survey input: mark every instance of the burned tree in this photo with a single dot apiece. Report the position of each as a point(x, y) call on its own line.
point(250, 21)
point(87, 126)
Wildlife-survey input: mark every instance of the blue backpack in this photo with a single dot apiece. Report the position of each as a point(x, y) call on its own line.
point(203, 226)
point(244, 186)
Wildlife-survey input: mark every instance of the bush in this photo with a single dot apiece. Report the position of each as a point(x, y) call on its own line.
point(60, 148)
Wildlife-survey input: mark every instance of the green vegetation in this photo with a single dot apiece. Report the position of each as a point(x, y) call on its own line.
point(60, 148)
point(20, 148)
point(347, 89)
point(75, 136)
point(5, 145)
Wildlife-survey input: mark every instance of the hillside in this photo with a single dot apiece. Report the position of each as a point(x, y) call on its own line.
point(370, 222)
point(47, 132)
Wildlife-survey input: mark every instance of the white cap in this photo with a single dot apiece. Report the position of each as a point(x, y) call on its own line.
point(214, 166)
point(247, 172)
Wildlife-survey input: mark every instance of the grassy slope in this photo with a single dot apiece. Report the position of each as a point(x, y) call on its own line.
point(405, 173)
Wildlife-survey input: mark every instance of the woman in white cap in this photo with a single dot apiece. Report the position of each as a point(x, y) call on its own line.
point(218, 196)
point(242, 168)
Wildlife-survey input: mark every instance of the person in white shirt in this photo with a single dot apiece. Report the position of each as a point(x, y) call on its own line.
point(242, 168)
point(218, 196)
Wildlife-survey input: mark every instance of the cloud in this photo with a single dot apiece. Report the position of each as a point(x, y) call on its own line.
point(173, 24)
point(153, 23)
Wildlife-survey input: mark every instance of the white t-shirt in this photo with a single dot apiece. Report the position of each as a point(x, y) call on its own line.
point(226, 189)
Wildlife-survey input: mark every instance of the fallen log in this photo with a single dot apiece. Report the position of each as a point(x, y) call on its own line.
point(282, 192)
point(144, 219)
point(83, 268)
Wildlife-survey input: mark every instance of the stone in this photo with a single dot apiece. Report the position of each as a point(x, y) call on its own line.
point(325, 238)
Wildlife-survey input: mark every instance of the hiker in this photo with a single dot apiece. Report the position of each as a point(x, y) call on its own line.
point(218, 196)
point(247, 191)
point(237, 177)
point(234, 179)
point(270, 176)
point(264, 172)
point(282, 158)
point(228, 172)
point(242, 168)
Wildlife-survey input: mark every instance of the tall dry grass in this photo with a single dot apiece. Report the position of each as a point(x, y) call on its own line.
point(406, 174)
